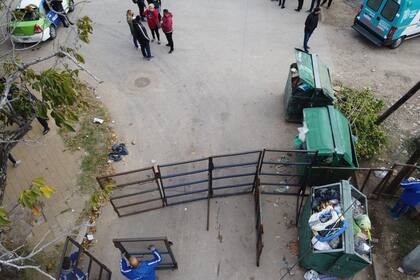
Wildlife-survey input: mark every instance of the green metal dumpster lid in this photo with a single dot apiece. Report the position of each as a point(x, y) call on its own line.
point(328, 133)
point(314, 73)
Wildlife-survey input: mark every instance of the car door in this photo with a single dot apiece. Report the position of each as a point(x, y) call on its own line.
point(371, 15)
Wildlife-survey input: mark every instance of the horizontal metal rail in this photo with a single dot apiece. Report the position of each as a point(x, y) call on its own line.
point(185, 184)
point(173, 175)
point(234, 165)
point(233, 186)
point(236, 154)
point(183, 162)
point(186, 193)
point(234, 176)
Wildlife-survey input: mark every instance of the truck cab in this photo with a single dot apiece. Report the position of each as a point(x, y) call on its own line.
point(388, 22)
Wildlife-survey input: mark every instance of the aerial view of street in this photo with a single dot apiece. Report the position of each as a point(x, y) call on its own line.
point(169, 139)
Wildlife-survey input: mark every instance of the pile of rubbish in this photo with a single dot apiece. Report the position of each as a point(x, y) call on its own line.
point(361, 229)
point(118, 151)
point(327, 222)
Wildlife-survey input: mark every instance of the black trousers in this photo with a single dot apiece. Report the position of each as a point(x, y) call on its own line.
point(170, 41)
point(155, 31)
point(145, 49)
point(318, 2)
point(282, 2)
point(325, 1)
point(12, 159)
point(300, 4)
point(43, 122)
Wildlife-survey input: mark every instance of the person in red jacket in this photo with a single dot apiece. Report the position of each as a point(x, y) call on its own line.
point(152, 16)
point(167, 28)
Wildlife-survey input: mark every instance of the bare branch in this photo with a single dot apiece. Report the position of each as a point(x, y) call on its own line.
point(21, 267)
point(82, 67)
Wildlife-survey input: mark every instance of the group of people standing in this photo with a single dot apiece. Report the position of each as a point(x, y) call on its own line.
point(314, 3)
point(151, 14)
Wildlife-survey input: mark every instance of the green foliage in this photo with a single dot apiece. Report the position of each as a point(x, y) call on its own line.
point(361, 108)
point(100, 196)
point(29, 198)
point(84, 28)
point(4, 218)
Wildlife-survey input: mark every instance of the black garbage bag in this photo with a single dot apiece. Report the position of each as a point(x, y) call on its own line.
point(118, 150)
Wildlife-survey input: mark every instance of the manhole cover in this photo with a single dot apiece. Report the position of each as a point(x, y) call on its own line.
point(142, 82)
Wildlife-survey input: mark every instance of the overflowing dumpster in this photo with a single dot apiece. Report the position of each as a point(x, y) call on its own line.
point(308, 85)
point(338, 244)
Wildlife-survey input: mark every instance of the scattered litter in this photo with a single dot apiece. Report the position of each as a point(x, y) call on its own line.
point(89, 237)
point(282, 189)
point(98, 120)
point(313, 275)
point(278, 236)
point(133, 142)
point(400, 269)
point(185, 209)
point(373, 70)
point(380, 174)
point(112, 121)
point(118, 150)
point(275, 205)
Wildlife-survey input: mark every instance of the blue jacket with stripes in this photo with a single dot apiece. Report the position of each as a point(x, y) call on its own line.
point(145, 271)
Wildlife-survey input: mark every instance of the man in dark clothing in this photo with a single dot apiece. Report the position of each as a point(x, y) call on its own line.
point(329, 3)
point(142, 37)
point(142, 6)
point(318, 2)
point(281, 3)
point(300, 4)
point(57, 6)
point(310, 24)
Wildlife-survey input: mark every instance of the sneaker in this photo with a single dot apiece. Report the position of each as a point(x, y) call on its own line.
point(297, 10)
point(167, 45)
point(308, 11)
point(153, 40)
point(16, 164)
point(283, 7)
point(150, 57)
point(158, 42)
point(45, 131)
point(171, 51)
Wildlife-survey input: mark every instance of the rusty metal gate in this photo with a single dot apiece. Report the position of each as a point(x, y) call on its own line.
point(134, 191)
point(77, 261)
point(138, 247)
point(185, 181)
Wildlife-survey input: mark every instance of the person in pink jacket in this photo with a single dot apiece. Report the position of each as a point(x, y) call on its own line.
point(167, 28)
point(152, 16)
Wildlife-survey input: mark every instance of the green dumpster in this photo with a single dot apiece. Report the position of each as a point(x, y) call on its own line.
point(308, 85)
point(342, 261)
point(329, 133)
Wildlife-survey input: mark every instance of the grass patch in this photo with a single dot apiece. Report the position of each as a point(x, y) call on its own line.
point(94, 139)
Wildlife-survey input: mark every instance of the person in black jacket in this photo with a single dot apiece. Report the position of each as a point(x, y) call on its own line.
point(142, 37)
point(310, 24)
point(142, 6)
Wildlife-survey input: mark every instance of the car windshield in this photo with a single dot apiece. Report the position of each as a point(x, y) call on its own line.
point(374, 4)
point(390, 10)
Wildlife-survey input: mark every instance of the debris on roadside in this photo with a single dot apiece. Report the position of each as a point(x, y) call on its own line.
point(98, 120)
point(118, 151)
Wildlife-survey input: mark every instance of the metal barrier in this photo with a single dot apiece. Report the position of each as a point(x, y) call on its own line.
point(138, 247)
point(258, 224)
point(283, 172)
point(233, 174)
point(76, 263)
point(185, 181)
point(134, 191)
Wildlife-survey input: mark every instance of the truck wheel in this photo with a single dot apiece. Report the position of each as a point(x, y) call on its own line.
point(397, 43)
point(53, 32)
point(71, 6)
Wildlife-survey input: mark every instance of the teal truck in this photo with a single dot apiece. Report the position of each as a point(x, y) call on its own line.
point(388, 22)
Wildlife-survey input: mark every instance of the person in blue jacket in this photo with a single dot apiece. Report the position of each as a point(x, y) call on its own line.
point(69, 270)
point(409, 198)
point(134, 269)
